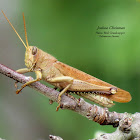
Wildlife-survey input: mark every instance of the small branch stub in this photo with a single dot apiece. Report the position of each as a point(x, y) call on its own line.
point(55, 137)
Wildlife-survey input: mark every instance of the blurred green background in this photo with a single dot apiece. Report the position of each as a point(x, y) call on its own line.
point(67, 30)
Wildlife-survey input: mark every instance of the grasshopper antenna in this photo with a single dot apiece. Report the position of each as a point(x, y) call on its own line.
point(25, 31)
point(16, 31)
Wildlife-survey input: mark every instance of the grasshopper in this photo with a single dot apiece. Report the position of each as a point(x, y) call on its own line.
point(67, 78)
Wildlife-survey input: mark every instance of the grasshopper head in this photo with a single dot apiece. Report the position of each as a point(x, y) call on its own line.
point(31, 56)
point(31, 51)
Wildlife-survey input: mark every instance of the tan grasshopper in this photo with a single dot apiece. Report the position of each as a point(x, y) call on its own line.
point(67, 78)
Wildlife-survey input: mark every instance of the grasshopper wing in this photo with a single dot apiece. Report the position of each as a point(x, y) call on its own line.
point(120, 96)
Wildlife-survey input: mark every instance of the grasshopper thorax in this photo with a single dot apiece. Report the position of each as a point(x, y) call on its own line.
point(31, 56)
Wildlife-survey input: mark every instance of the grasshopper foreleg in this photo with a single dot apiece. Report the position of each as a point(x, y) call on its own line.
point(21, 71)
point(38, 78)
point(24, 70)
point(62, 79)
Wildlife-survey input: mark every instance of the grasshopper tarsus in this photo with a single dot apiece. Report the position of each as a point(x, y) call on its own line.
point(18, 91)
point(15, 84)
point(57, 108)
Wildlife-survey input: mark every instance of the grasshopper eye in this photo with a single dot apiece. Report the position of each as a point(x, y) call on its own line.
point(34, 50)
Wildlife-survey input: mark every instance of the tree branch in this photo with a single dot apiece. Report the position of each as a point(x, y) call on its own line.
point(92, 112)
point(129, 129)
